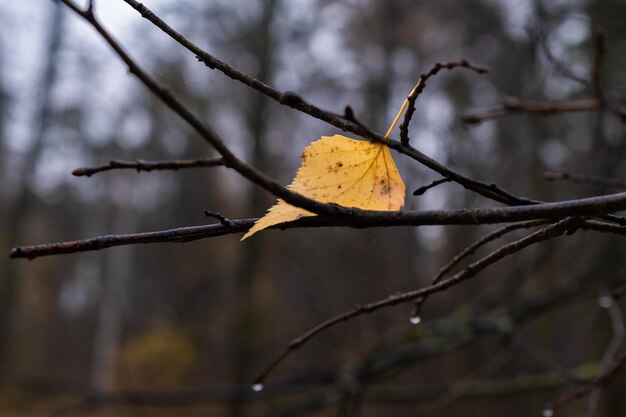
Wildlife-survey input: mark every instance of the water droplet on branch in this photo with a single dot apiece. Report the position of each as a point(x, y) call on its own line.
point(605, 301)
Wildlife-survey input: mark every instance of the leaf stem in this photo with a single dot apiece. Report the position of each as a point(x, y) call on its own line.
point(402, 109)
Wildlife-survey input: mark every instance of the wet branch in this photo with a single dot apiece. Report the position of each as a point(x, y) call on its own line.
point(564, 226)
point(471, 250)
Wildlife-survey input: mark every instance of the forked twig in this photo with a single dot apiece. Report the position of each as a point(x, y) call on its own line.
point(421, 84)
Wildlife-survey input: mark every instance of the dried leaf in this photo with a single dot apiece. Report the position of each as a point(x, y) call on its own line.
point(344, 171)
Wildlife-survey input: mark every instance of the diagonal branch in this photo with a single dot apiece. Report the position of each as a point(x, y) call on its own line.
point(554, 230)
point(419, 303)
point(586, 389)
point(245, 170)
point(294, 101)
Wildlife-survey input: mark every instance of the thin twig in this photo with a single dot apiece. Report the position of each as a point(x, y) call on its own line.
point(595, 384)
point(489, 190)
point(604, 227)
point(181, 234)
point(348, 114)
point(470, 271)
point(220, 218)
point(90, 7)
point(423, 189)
point(562, 68)
point(584, 179)
point(294, 101)
point(421, 84)
point(230, 159)
point(260, 179)
point(514, 105)
point(419, 303)
point(286, 98)
point(147, 166)
point(373, 367)
point(584, 207)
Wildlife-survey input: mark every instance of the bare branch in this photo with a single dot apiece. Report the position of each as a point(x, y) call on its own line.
point(514, 105)
point(472, 249)
point(469, 326)
point(586, 389)
point(245, 170)
point(423, 189)
point(147, 166)
point(489, 190)
point(421, 84)
point(470, 271)
point(294, 101)
point(220, 218)
point(181, 234)
point(286, 98)
point(584, 179)
point(362, 219)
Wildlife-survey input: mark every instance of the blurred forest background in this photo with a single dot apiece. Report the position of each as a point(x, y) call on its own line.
point(195, 322)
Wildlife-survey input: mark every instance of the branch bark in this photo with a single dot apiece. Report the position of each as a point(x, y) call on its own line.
point(147, 166)
point(361, 219)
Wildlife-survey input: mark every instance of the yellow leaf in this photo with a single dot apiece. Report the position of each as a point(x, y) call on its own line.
point(344, 171)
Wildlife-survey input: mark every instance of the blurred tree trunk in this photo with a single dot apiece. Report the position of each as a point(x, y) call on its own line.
point(116, 274)
point(19, 211)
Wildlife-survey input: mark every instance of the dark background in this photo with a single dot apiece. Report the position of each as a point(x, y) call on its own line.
point(212, 313)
